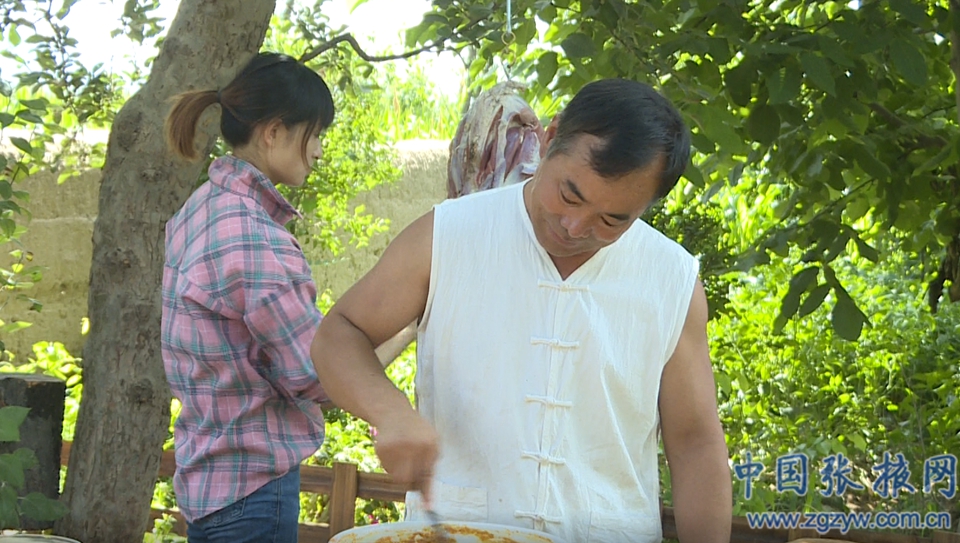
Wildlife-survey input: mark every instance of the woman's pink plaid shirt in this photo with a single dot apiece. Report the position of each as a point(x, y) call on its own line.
point(239, 314)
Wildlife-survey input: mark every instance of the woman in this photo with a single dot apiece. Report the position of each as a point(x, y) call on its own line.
point(239, 308)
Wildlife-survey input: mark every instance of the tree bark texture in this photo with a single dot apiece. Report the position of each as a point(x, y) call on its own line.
point(125, 412)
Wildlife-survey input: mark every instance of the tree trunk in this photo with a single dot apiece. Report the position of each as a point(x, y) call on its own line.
point(125, 412)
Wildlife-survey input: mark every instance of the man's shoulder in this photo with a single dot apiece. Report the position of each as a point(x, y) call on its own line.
point(650, 238)
point(485, 198)
point(491, 206)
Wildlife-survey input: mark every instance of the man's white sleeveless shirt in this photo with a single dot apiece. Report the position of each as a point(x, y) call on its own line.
point(544, 391)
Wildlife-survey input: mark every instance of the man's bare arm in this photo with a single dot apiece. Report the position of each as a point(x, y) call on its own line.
point(692, 435)
point(389, 350)
point(388, 298)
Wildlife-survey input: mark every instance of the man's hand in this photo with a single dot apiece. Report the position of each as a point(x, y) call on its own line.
point(408, 448)
point(390, 297)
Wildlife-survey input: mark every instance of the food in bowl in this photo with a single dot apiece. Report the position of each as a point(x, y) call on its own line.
point(459, 532)
point(429, 535)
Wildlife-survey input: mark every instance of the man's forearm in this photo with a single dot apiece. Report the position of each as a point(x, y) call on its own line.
point(702, 494)
point(351, 373)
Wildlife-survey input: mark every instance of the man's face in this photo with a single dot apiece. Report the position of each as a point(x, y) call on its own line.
point(575, 211)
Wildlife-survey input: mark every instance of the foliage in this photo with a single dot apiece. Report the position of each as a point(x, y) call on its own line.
point(356, 157)
point(846, 109)
point(702, 228)
point(809, 391)
point(406, 103)
point(52, 358)
point(34, 505)
point(376, 106)
point(42, 113)
point(411, 107)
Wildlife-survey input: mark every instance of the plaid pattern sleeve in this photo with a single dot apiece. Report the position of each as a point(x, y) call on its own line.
point(267, 280)
point(239, 314)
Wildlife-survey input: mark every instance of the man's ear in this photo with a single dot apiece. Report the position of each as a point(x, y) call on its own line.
point(548, 134)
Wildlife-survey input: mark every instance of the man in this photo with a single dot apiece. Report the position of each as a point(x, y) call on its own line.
point(557, 332)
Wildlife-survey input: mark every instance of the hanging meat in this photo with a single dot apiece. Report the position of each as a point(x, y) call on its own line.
point(497, 142)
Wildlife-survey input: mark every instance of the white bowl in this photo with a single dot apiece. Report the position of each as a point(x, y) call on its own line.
point(461, 532)
point(35, 538)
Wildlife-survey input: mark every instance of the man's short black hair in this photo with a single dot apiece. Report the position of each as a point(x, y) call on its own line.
point(636, 124)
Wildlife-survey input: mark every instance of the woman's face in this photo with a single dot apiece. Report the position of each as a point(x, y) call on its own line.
point(286, 161)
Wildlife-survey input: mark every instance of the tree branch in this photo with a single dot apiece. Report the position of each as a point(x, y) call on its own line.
point(891, 117)
point(310, 55)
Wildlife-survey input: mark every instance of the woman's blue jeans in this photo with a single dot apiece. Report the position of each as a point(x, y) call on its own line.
point(269, 515)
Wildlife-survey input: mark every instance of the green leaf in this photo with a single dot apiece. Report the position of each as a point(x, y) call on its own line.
point(27, 458)
point(835, 179)
point(11, 417)
point(832, 49)
point(41, 508)
point(30, 116)
point(784, 85)
point(788, 307)
point(866, 251)
point(869, 163)
point(912, 11)
point(693, 174)
point(837, 247)
point(719, 49)
point(6, 119)
point(847, 318)
point(357, 3)
point(791, 301)
point(936, 159)
point(11, 471)
point(578, 45)
point(818, 71)
point(546, 68)
point(8, 226)
point(14, 326)
point(435, 18)
point(9, 516)
point(909, 62)
point(814, 300)
point(65, 8)
point(13, 36)
point(718, 126)
point(6, 190)
point(22, 144)
point(479, 13)
point(525, 32)
point(39, 103)
point(802, 280)
point(763, 124)
point(739, 83)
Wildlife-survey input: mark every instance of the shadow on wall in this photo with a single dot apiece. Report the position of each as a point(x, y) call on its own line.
point(60, 237)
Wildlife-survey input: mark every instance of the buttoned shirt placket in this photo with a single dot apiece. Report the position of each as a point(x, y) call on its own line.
point(555, 409)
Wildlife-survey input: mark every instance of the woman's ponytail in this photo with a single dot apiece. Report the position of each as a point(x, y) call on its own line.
point(181, 124)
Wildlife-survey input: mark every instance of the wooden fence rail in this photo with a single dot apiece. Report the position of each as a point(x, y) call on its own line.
point(344, 484)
